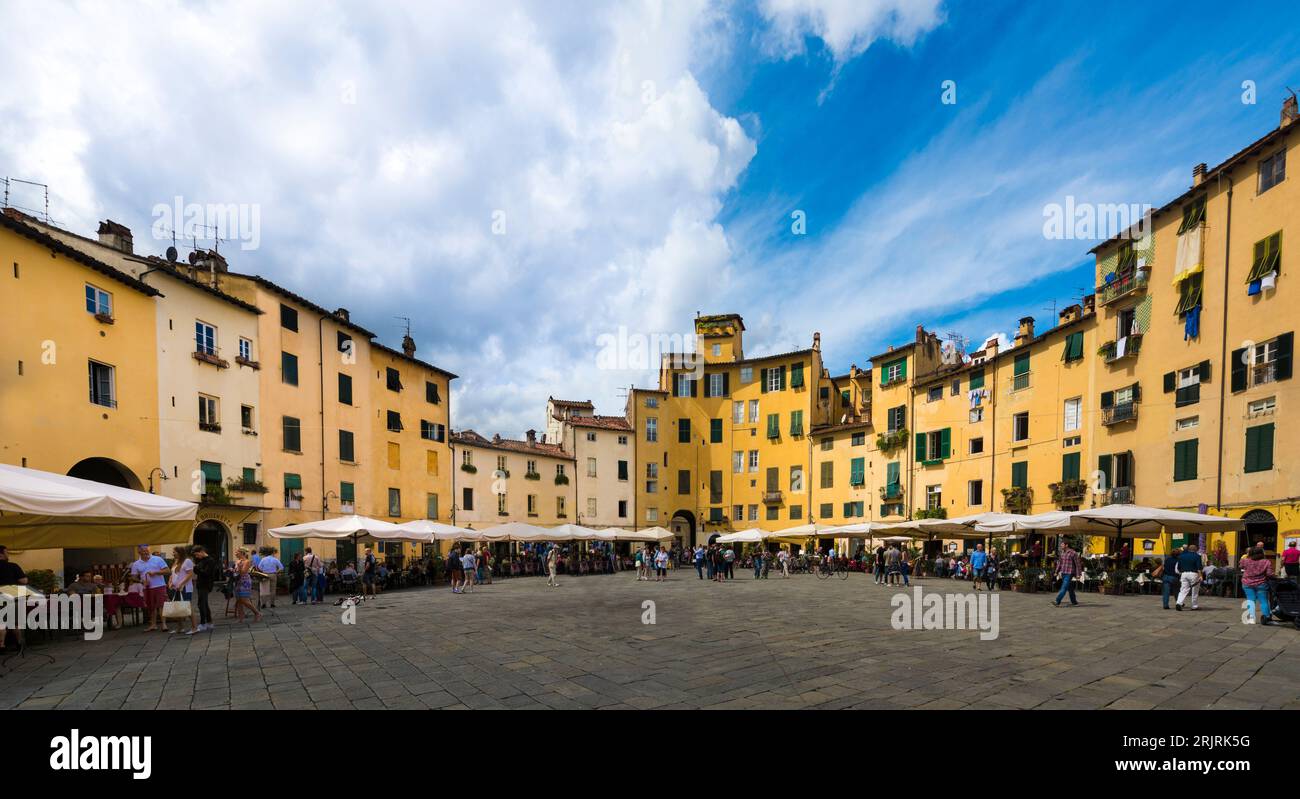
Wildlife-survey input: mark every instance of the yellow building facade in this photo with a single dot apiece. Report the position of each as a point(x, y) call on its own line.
point(499, 480)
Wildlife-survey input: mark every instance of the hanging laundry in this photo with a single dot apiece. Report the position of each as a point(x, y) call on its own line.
point(1120, 347)
point(1253, 288)
point(1268, 282)
point(1192, 323)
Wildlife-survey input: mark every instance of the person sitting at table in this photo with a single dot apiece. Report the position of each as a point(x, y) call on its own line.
point(83, 585)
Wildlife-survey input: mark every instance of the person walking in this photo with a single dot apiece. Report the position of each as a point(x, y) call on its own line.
point(699, 561)
point(758, 563)
point(880, 565)
point(1256, 568)
point(978, 561)
point(180, 587)
point(270, 566)
point(1291, 560)
point(783, 557)
point(454, 573)
point(369, 573)
point(206, 570)
point(314, 571)
point(297, 580)
point(469, 565)
point(552, 567)
point(1169, 577)
point(661, 565)
point(1189, 576)
point(1068, 566)
point(892, 558)
point(991, 571)
point(639, 557)
point(905, 564)
point(244, 586)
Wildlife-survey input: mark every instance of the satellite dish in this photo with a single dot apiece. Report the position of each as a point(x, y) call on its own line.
point(194, 256)
point(171, 254)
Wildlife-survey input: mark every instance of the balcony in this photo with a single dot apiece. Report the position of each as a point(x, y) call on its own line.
point(892, 440)
point(1017, 500)
point(1020, 382)
point(1118, 414)
point(1122, 286)
point(245, 486)
point(1069, 494)
point(891, 491)
point(210, 355)
point(772, 498)
point(1119, 495)
point(210, 427)
point(251, 364)
point(1110, 351)
point(893, 381)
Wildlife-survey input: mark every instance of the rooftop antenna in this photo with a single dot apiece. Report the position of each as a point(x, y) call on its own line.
point(45, 215)
point(407, 321)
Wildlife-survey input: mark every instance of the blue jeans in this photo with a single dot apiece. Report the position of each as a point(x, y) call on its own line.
point(1256, 597)
point(1067, 584)
point(300, 595)
point(1168, 587)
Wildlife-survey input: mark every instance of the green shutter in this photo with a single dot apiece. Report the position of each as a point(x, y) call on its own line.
point(211, 471)
point(715, 431)
point(857, 474)
point(293, 481)
point(347, 492)
point(1104, 463)
point(977, 379)
point(762, 381)
point(920, 454)
point(1020, 474)
point(1021, 365)
point(774, 425)
point(796, 375)
point(945, 443)
point(1259, 448)
point(796, 423)
point(1185, 459)
point(1070, 466)
point(781, 370)
point(250, 475)
point(891, 473)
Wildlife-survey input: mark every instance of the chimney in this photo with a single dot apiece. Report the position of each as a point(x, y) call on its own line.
point(1069, 313)
point(342, 313)
point(991, 347)
point(1026, 331)
point(817, 341)
point(1198, 174)
point(496, 438)
point(920, 334)
point(408, 346)
point(115, 235)
point(1289, 111)
point(542, 439)
point(1089, 303)
point(532, 438)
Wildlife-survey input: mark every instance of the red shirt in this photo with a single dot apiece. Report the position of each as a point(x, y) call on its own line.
point(1291, 556)
point(1256, 572)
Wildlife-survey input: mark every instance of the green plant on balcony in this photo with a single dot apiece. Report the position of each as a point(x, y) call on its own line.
point(1068, 492)
point(891, 491)
point(469, 467)
point(532, 476)
point(245, 486)
point(215, 494)
point(888, 442)
point(1017, 500)
point(930, 513)
point(561, 479)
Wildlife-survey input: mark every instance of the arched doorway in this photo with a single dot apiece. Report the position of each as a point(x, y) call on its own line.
point(683, 527)
point(106, 471)
point(1260, 526)
point(215, 538)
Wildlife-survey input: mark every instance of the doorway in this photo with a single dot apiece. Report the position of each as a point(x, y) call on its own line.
point(215, 538)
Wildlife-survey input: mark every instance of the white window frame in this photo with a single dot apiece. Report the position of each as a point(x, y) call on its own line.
point(934, 497)
point(102, 300)
point(715, 384)
point(651, 429)
point(753, 461)
point(210, 407)
point(1015, 432)
point(746, 374)
point(205, 337)
point(773, 379)
point(738, 462)
point(753, 411)
point(1073, 420)
point(1261, 407)
point(738, 412)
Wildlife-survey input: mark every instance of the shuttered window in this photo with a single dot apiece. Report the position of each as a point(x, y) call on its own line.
point(1259, 448)
point(1020, 474)
point(1185, 459)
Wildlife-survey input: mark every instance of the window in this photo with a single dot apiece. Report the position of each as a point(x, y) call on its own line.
point(827, 444)
point(103, 389)
point(430, 506)
point(394, 502)
point(746, 374)
point(652, 402)
point(1070, 463)
point(1073, 350)
point(715, 487)
point(245, 349)
point(774, 379)
point(652, 470)
point(858, 440)
point(591, 507)
point(347, 446)
point(345, 389)
point(715, 431)
point(347, 497)
point(559, 508)
point(288, 317)
point(976, 414)
point(1020, 426)
point(591, 467)
point(530, 467)
point(209, 417)
point(773, 513)
point(683, 481)
point(591, 436)
point(827, 475)
point(1187, 423)
point(622, 441)
point(956, 386)
point(774, 425)
point(934, 446)
point(467, 499)
point(502, 505)
point(857, 472)
point(717, 350)
point(343, 342)
point(559, 470)
point(293, 491)
point(431, 395)
point(796, 423)
point(896, 419)
point(1189, 387)
point(1185, 459)
point(1261, 407)
point(752, 515)
point(1073, 414)
point(98, 301)
point(976, 445)
point(796, 375)
point(291, 429)
point(976, 379)
point(1020, 474)
point(246, 418)
point(796, 479)
point(392, 379)
point(652, 514)
point(651, 429)
point(796, 512)
point(893, 371)
point(753, 411)
point(933, 497)
point(622, 471)
point(1259, 448)
point(394, 422)
point(738, 412)
point(717, 385)
point(737, 462)
point(1020, 372)
point(289, 368)
point(466, 458)
point(1071, 441)
point(683, 431)
point(934, 394)
point(205, 338)
point(432, 431)
point(753, 460)
point(394, 451)
point(683, 385)
point(975, 492)
point(1272, 171)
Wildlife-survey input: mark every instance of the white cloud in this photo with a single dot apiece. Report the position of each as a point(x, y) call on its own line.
point(847, 27)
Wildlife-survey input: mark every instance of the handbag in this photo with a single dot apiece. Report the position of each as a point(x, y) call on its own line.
point(176, 608)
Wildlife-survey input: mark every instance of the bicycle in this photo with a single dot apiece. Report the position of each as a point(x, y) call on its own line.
point(826, 568)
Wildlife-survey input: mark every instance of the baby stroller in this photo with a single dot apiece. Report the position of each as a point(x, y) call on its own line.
point(1284, 600)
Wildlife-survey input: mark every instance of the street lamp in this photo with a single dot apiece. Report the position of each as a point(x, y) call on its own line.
point(161, 474)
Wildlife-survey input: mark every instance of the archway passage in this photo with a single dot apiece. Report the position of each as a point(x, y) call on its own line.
point(106, 471)
point(215, 538)
point(683, 527)
point(1260, 526)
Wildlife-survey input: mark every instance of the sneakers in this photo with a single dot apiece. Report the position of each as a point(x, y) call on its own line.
point(1178, 607)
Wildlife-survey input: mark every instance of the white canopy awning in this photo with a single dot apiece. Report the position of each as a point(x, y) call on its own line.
point(1131, 520)
point(518, 531)
point(972, 526)
point(341, 527)
point(646, 534)
point(46, 510)
point(751, 536)
point(442, 532)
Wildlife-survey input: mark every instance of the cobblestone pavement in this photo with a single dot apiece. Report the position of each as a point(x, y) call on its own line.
point(796, 643)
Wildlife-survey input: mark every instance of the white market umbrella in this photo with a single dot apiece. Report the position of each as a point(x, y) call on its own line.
point(518, 531)
point(442, 532)
point(1015, 523)
point(972, 526)
point(646, 534)
point(42, 510)
point(750, 536)
point(341, 527)
point(1139, 520)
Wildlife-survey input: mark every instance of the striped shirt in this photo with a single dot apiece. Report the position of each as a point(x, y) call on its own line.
point(1070, 562)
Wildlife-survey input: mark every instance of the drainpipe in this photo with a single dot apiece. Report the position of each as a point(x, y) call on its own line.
point(1225, 371)
point(320, 352)
point(993, 436)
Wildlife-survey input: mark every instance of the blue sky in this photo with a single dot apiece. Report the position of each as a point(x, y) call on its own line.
point(528, 179)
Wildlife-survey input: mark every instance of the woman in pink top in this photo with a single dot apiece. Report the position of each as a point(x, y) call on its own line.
point(1256, 568)
point(1291, 560)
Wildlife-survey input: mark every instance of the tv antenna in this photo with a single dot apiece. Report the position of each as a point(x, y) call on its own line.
point(45, 215)
point(407, 324)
